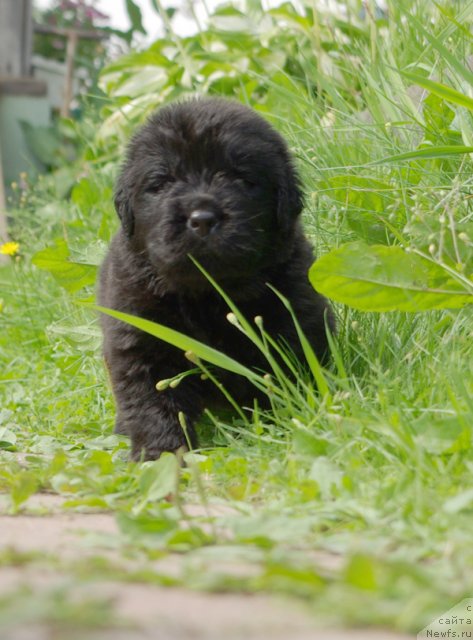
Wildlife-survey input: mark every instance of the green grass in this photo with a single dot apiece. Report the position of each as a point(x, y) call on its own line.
point(377, 471)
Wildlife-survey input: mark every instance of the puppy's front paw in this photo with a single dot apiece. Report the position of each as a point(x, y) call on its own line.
point(143, 454)
point(148, 443)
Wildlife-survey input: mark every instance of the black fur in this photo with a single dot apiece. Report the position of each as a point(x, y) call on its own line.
point(212, 179)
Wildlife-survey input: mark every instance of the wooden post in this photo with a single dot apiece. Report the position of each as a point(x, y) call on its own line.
point(73, 36)
point(72, 40)
point(15, 37)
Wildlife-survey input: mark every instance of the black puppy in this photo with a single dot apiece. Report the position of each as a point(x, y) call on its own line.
point(211, 179)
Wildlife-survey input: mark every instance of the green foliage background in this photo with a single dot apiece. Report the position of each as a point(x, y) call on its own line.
point(375, 471)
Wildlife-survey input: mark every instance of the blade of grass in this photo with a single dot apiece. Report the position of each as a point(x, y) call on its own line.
point(309, 353)
point(454, 62)
point(425, 154)
point(185, 343)
point(457, 21)
point(440, 90)
point(246, 326)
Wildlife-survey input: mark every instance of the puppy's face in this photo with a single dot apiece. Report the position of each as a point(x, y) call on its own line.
point(211, 179)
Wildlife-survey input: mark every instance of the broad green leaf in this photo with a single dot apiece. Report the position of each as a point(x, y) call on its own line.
point(134, 13)
point(7, 439)
point(231, 19)
point(157, 480)
point(438, 115)
point(24, 486)
point(71, 275)
point(308, 443)
point(135, 526)
point(87, 194)
point(361, 572)
point(379, 278)
point(184, 540)
point(135, 60)
point(145, 79)
point(93, 253)
point(181, 341)
point(286, 13)
point(299, 580)
point(44, 142)
point(441, 90)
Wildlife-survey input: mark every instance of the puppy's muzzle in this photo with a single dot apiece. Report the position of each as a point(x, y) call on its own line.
point(202, 222)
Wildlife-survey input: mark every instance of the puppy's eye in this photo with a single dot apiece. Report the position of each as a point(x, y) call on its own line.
point(157, 183)
point(248, 183)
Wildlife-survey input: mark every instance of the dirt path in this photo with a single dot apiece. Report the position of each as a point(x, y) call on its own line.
point(135, 611)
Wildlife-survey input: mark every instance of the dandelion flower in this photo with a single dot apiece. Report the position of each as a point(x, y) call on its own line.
point(9, 248)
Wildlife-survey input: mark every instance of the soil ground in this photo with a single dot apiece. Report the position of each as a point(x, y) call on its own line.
point(138, 611)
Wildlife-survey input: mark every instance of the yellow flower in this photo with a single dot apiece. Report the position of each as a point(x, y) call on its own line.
point(9, 248)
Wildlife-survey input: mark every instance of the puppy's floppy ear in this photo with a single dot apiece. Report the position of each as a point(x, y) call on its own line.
point(124, 209)
point(290, 199)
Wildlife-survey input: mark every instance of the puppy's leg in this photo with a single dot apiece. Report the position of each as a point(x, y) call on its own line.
point(151, 417)
point(154, 427)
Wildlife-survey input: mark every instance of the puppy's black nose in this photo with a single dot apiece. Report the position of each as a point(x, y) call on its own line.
point(202, 222)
